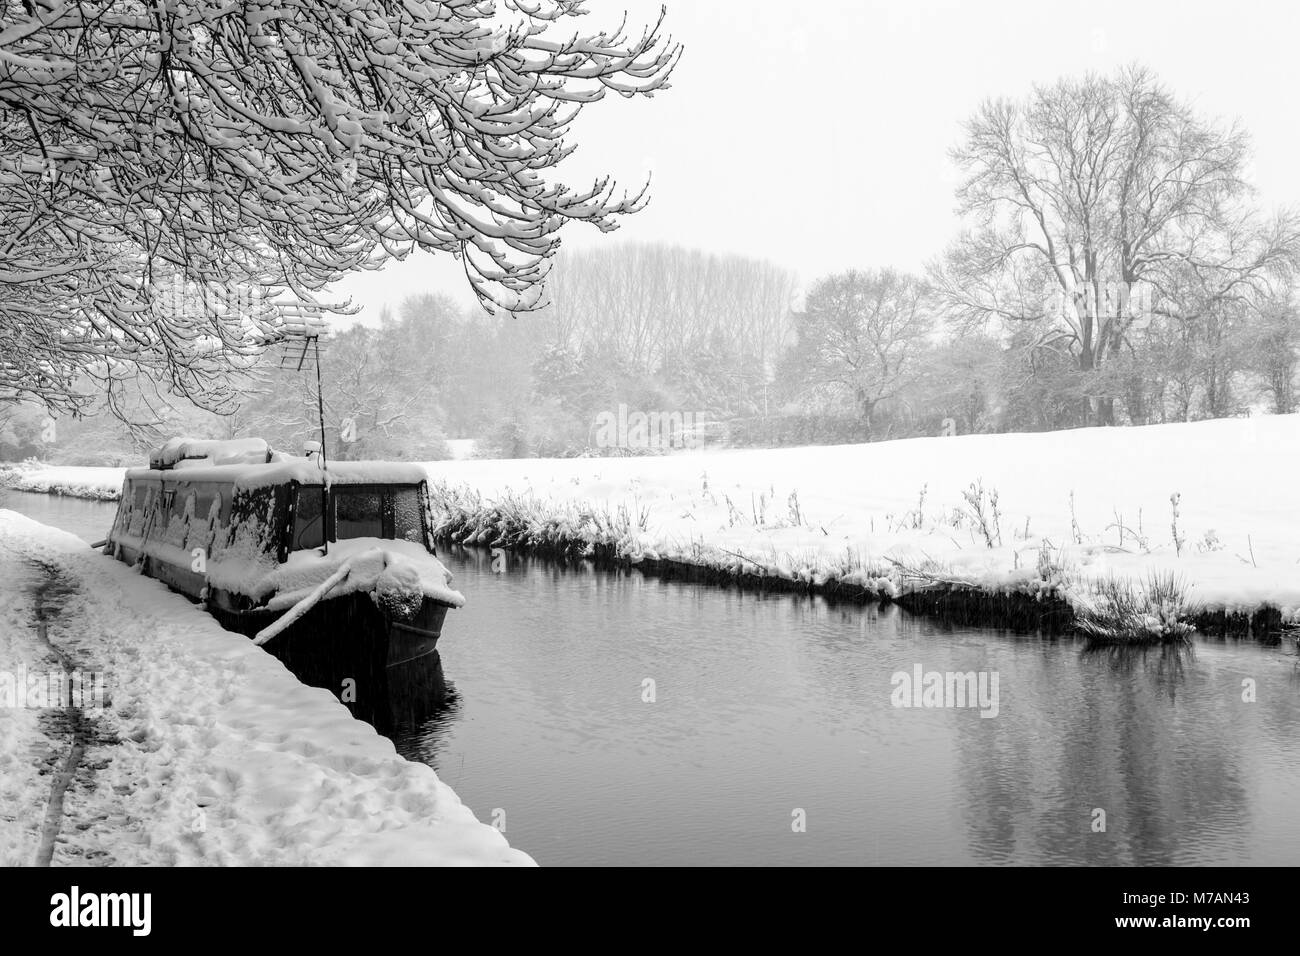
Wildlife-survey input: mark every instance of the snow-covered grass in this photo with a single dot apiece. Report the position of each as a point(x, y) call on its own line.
point(1124, 609)
point(1138, 529)
point(209, 751)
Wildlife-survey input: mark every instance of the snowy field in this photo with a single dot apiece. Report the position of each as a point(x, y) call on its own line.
point(1078, 506)
point(1081, 506)
point(209, 752)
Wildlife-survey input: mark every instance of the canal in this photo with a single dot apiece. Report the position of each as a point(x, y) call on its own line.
point(609, 718)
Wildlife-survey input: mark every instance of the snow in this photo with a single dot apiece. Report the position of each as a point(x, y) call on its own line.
point(1239, 517)
point(181, 451)
point(376, 566)
point(284, 469)
point(461, 448)
point(209, 751)
point(72, 480)
point(22, 788)
point(106, 483)
point(840, 513)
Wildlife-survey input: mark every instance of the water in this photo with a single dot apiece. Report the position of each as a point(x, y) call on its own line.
point(771, 709)
point(90, 520)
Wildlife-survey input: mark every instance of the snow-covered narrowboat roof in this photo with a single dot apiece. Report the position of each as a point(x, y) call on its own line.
point(284, 469)
point(251, 463)
point(213, 451)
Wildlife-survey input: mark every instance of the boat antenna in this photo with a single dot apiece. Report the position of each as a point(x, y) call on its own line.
point(320, 408)
point(307, 325)
point(320, 399)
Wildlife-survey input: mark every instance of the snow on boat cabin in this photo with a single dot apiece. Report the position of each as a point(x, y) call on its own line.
point(331, 568)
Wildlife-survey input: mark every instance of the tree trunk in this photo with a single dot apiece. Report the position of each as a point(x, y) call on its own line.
point(1087, 365)
point(868, 414)
point(1106, 411)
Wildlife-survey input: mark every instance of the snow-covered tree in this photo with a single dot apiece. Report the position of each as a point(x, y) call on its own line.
point(1088, 202)
point(170, 170)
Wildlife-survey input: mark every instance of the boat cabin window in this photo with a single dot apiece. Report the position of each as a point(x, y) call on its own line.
point(408, 514)
point(358, 513)
point(378, 511)
point(309, 518)
point(204, 498)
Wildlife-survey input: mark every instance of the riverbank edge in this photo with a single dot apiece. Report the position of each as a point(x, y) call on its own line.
point(16, 479)
point(1046, 610)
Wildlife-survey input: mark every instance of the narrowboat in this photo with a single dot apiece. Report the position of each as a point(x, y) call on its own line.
point(330, 568)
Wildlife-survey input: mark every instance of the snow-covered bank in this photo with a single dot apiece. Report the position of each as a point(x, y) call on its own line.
point(209, 751)
point(104, 484)
point(1070, 513)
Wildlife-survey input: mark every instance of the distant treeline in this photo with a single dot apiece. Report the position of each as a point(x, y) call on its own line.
point(866, 356)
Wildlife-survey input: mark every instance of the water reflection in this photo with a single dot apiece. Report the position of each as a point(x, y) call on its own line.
point(1141, 735)
point(1164, 664)
point(770, 702)
point(394, 700)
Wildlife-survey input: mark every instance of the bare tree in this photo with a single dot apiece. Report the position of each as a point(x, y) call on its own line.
point(658, 305)
point(162, 162)
point(1084, 199)
point(1273, 351)
point(860, 335)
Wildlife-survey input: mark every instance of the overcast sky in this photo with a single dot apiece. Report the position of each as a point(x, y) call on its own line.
point(816, 134)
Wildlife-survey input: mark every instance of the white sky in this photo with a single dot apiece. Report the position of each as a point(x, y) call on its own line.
point(816, 134)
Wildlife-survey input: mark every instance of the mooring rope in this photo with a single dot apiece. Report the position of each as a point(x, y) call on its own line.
point(310, 601)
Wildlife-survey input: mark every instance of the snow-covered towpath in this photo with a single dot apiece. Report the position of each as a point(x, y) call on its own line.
point(202, 749)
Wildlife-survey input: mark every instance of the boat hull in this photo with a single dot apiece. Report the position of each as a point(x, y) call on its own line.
point(385, 670)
